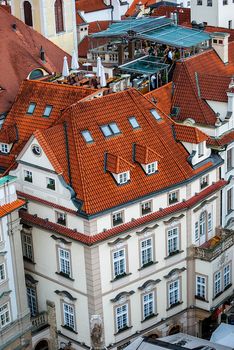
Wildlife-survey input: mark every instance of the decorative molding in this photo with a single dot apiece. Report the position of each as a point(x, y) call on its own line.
point(65, 294)
point(3, 253)
point(4, 294)
point(174, 271)
point(207, 201)
point(173, 218)
point(147, 228)
point(119, 240)
point(62, 240)
point(149, 283)
point(121, 295)
point(30, 279)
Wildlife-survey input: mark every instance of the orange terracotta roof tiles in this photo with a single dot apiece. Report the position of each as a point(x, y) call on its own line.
point(98, 26)
point(183, 14)
point(145, 155)
point(225, 140)
point(213, 87)
point(10, 207)
point(189, 134)
point(116, 164)
point(91, 5)
point(162, 97)
point(132, 10)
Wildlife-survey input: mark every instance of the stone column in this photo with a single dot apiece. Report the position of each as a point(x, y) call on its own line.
point(131, 49)
point(52, 322)
point(120, 54)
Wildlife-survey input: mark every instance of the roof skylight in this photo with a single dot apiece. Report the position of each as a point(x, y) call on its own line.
point(47, 111)
point(134, 122)
point(155, 114)
point(110, 129)
point(31, 108)
point(87, 136)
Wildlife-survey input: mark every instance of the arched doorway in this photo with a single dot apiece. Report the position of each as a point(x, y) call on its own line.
point(42, 345)
point(28, 13)
point(174, 330)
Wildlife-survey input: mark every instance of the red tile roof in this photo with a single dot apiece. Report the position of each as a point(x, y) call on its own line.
point(132, 10)
point(20, 54)
point(225, 140)
point(87, 168)
point(189, 134)
point(162, 97)
point(213, 87)
point(79, 19)
point(183, 14)
point(145, 155)
point(116, 164)
point(91, 5)
point(10, 207)
point(132, 225)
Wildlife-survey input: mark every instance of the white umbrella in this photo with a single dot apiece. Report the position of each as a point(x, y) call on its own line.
point(102, 77)
point(99, 64)
point(74, 62)
point(65, 71)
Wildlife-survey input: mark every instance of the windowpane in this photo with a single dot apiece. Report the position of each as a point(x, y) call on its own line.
point(151, 168)
point(155, 114)
point(32, 300)
point(173, 289)
point(146, 251)
point(65, 262)
point(4, 148)
point(2, 272)
point(134, 122)
point(114, 128)
point(28, 176)
point(47, 111)
point(146, 208)
point(117, 218)
point(173, 240)
point(121, 315)
point(226, 276)
point(217, 283)
point(87, 136)
point(201, 287)
point(106, 130)
point(123, 178)
point(27, 246)
point(148, 304)
point(31, 108)
point(119, 262)
point(50, 183)
point(58, 10)
point(4, 315)
point(61, 218)
point(68, 315)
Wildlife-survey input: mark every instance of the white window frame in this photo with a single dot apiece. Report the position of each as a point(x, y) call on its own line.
point(5, 315)
point(173, 197)
point(119, 262)
point(201, 286)
point(148, 306)
point(204, 181)
point(62, 216)
point(146, 247)
point(2, 272)
point(69, 316)
point(201, 149)
point(123, 177)
point(48, 183)
point(202, 223)
point(151, 168)
point(121, 317)
point(196, 231)
point(27, 246)
point(147, 207)
point(174, 292)
point(226, 275)
point(173, 240)
point(64, 261)
point(217, 283)
point(28, 174)
point(117, 218)
point(4, 148)
point(209, 222)
point(32, 300)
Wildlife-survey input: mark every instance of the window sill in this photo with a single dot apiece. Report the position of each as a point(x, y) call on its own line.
point(201, 298)
point(65, 276)
point(29, 260)
point(204, 186)
point(147, 265)
point(117, 223)
point(174, 305)
point(123, 330)
point(217, 295)
point(119, 277)
point(149, 317)
point(173, 202)
point(227, 287)
point(69, 329)
point(173, 254)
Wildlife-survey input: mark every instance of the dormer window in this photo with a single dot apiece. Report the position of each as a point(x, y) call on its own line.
point(201, 149)
point(31, 108)
point(123, 177)
point(155, 114)
point(4, 148)
point(47, 111)
point(151, 168)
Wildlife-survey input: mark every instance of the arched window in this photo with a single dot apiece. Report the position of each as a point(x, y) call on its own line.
point(28, 13)
point(36, 74)
point(58, 10)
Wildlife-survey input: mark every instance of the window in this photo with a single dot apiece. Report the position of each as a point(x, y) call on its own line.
point(146, 207)
point(204, 181)
point(31, 108)
point(225, 2)
point(87, 136)
point(2, 272)
point(32, 300)
point(50, 183)
point(119, 263)
point(27, 246)
point(229, 200)
point(4, 148)
point(117, 218)
point(36, 150)
point(229, 159)
point(121, 317)
point(64, 262)
point(173, 197)
point(47, 111)
point(28, 13)
point(173, 293)
point(217, 283)
point(199, 2)
point(110, 129)
point(69, 316)
point(200, 149)
point(172, 240)
point(61, 218)
point(209, 222)
point(4, 315)
point(28, 176)
point(155, 114)
point(230, 24)
point(148, 305)
point(134, 122)
point(226, 276)
point(151, 168)
point(209, 3)
point(146, 252)
point(202, 223)
point(196, 231)
point(36, 74)
point(201, 287)
point(58, 11)
point(123, 177)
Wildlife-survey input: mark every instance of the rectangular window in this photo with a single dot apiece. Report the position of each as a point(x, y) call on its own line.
point(61, 218)
point(50, 183)
point(199, 2)
point(229, 200)
point(69, 316)
point(146, 252)
point(27, 246)
point(32, 300)
point(123, 178)
point(209, 3)
point(204, 181)
point(173, 197)
point(229, 159)
point(225, 2)
point(28, 176)
point(121, 317)
point(31, 108)
point(226, 276)
point(47, 111)
point(155, 114)
point(173, 293)
point(173, 240)
point(87, 136)
point(65, 262)
point(217, 283)
point(134, 122)
point(210, 223)
point(201, 287)
point(2, 273)
point(117, 218)
point(146, 207)
point(4, 148)
point(151, 168)
point(200, 149)
point(110, 129)
point(119, 263)
point(5, 317)
point(196, 231)
point(148, 305)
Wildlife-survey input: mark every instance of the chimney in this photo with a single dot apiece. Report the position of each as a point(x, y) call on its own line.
point(230, 95)
point(42, 54)
point(220, 45)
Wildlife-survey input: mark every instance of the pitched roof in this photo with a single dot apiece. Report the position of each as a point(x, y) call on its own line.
point(19, 126)
point(132, 10)
point(91, 5)
point(183, 14)
point(189, 134)
point(85, 168)
point(225, 140)
point(20, 54)
point(188, 75)
point(162, 97)
point(10, 207)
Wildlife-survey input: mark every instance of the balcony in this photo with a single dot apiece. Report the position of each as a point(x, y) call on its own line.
point(211, 249)
point(39, 322)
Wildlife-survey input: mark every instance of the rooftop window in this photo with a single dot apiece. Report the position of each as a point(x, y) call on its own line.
point(134, 122)
point(123, 178)
point(47, 111)
point(110, 129)
point(155, 114)
point(31, 108)
point(87, 136)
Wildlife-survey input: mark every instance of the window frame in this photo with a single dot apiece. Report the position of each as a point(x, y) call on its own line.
point(122, 313)
point(230, 161)
point(63, 221)
point(134, 123)
point(116, 263)
point(202, 294)
point(173, 200)
point(229, 199)
point(173, 290)
point(59, 16)
point(64, 262)
point(145, 250)
point(201, 149)
point(27, 247)
point(9, 314)
point(32, 300)
point(28, 176)
point(151, 168)
point(69, 325)
point(3, 272)
point(217, 283)
point(204, 181)
point(4, 148)
point(50, 110)
point(33, 105)
point(123, 177)
point(177, 236)
point(118, 221)
point(152, 301)
point(146, 207)
point(49, 185)
point(225, 285)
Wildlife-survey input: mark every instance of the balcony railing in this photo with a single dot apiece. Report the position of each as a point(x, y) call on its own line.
point(209, 254)
point(39, 321)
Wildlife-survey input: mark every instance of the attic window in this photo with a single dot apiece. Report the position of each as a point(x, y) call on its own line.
point(134, 122)
point(123, 177)
point(87, 136)
point(151, 168)
point(4, 148)
point(31, 108)
point(36, 74)
point(110, 129)
point(155, 114)
point(47, 111)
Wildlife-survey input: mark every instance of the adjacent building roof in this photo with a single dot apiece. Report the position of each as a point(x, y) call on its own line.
point(10, 207)
point(91, 5)
point(20, 54)
point(189, 134)
point(162, 97)
point(183, 14)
